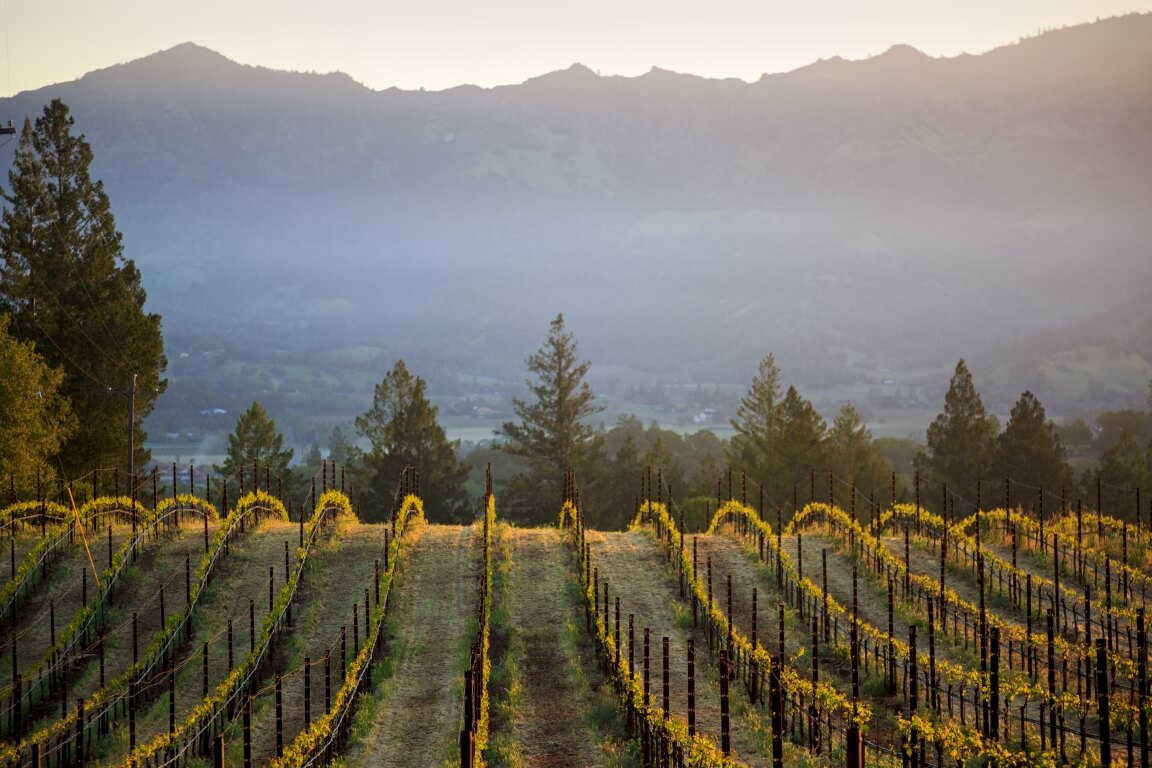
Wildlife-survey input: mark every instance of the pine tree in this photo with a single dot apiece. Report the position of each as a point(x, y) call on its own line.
point(852, 456)
point(70, 290)
point(802, 445)
point(1123, 468)
point(339, 449)
point(665, 467)
point(755, 447)
point(255, 444)
point(961, 439)
point(552, 435)
point(34, 418)
point(402, 428)
point(1029, 449)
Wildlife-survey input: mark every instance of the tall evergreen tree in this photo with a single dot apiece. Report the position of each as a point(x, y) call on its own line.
point(961, 439)
point(1029, 449)
point(852, 456)
point(34, 418)
point(755, 445)
point(70, 290)
point(254, 444)
point(553, 434)
point(402, 428)
point(1123, 468)
point(802, 446)
point(339, 449)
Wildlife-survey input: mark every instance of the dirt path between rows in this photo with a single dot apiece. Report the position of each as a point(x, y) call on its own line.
point(417, 713)
point(636, 568)
point(549, 727)
point(338, 572)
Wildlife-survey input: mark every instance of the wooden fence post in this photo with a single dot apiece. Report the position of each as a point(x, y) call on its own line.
point(647, 686)
point(777, 706)
point(279, 716)
point(247, 729)
point(665, 699)
point(1102, 698)
point(725, 737)
point(1142, 678)
point(691, 688)
point(1051, 678)
point(307, 690)
point(913, 698)
point(994, 682)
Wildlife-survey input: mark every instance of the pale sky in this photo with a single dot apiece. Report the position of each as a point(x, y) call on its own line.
point(442, 43)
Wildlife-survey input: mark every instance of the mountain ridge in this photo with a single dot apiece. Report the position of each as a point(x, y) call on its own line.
point(892, 213)
point(192, 54)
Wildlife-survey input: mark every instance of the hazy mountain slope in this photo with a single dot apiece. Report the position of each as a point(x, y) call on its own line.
point(887, 214)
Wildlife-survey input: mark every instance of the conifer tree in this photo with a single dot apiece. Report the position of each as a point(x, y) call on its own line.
point(1123, 468)
point(402, 428)
point(755, 447)
point(802, 446)
point(339, 449)
point(852, 456)
point(254, 444)
point(961, 439)
point(1029, 449)
point(553, 434)
point(69, 289)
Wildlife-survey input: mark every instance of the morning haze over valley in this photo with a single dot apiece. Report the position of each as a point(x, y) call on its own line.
point(601, 414)
point(868, 221)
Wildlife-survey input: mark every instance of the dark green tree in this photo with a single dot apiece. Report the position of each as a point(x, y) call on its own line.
point(1029, 449)
point(755, 447)
point(313, 459)
point(706, 455)
point(339, 449)
point(402, 428)
point(553, 434)
point(69, 289)
point(802, 444)
point(1113, 424)
point(254, 444)
point(961, 439)
point(855, 459)
point(610, 484)
point(665, 466)
point(1076, 437)
point(1123, 468)
point(34, 418)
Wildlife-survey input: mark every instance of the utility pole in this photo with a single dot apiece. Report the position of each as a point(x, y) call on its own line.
point(130, 394)
point(132, 436)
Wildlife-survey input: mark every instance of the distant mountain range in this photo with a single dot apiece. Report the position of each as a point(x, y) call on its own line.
point(866, 220)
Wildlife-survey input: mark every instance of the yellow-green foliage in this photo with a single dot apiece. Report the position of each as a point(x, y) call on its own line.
point(482, 718)
point(698, 749)
point(248, 508)
point(958, 740)
point(328, 506)
point(313, 738)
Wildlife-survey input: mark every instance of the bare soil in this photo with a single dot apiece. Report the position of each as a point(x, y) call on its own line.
point(549, 728)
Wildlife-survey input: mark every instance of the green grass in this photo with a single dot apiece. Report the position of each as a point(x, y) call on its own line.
point(602, 712)
point(505, 684)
